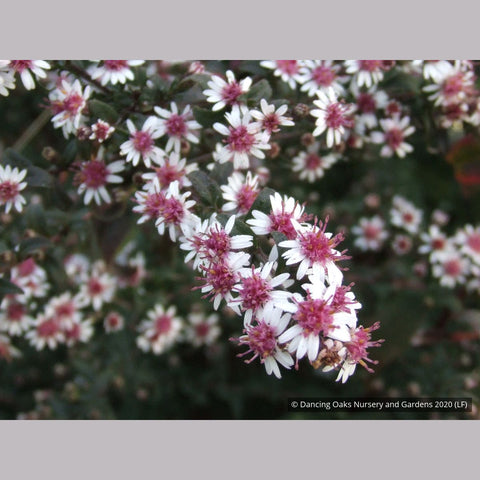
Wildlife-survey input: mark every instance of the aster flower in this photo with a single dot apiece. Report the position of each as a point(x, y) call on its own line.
point(405, 215)
point(101, 131)
point(93, 177)
point(288, 70)
point(31, 278)
point(68, 103)
point(321, 75)
point(311, 165)
point(99, 288)
point(468, 239)
point(11, 184)
point(395, 130)
point(46, 332)
point(401, 244)
point(78, 332)
point(262, 340)
point(77, 267)
point(223, 93)
point(269, 118)
point(176, 126)
point(285, 217)
point(141, 143)
point(371, 233)
point(160, 330)
point(7, 79)
point(435, 243)
point(365, 72)
point(150, 201)
point(25, 68)
point(114, 71)
point(451, 268)
point(333, 116)
point(113, 322)
point(14, 316)
point(240, 192)
point(244, 139)
point(202, 330)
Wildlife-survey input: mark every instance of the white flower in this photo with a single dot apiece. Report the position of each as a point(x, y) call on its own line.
point(371, 233)
point(468, 239)
point(202, 330)
point(452, 269)
point(99, 288)
point(311, 165)
point(366, 72)
point(394, 132)
point(26, 67)
point(321, 75)
point(240, 192)
point(404, 215)
point(287, 70)
point(14, 316)
point(114, 71)
point(435, 243)
point(7, 79)
point(223, 93)
point(11, 184)
point(269, 118)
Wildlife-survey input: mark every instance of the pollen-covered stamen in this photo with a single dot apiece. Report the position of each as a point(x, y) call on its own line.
point(360, 342)
point(315, 316)
point(217, 243)
point(337, 116)
point(220, 277)
point(261, 341)
point(142, 141)
point(254, 291)
point(231, 92)
point(245, 198)
point(154, 204)
point(240, 139)
point(176, 126)
point(73, 104)
point(93, 174)
point(271, 123)
point(173, 211)
point(340, 301)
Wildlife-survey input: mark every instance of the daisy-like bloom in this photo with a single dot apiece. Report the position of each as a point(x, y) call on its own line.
point(46, 332)
point(171, 168)
point(270, 119)
point(202, 330)
point(332, 116)
point(371, 233)
point(65, 308)
point(7, 350)
point(316, 318)
point(99, 288)
point(93, 177)
point(366, 72)
point(25, 68)
point(68, 102)
point(321, 75)
point(176, 126)
point(468, 239)
point(435, 243)
point(357, 351)
point(115, 71)
point(78, 332)
point(244, 138)
point(150, 200)
point(240, 192)
point(311, 165)
point(31, 278)
point(432, 69)
point(11, 184)
point(367, 104)
point(77, 267)
point(314, 248)
point(256, 289)
point(14, 316)
point(288, 70)
point(404, 215)
point(453, 87)
point(175, 213)
point(160, 331)
point(220, 277)
point(395, 130)
point(285, 217)
point(401, 244)
point(7, 79)
point(223, 93)
point(451, 268)
point(101, 131)
point(262, 341)
point(210, 242)
point(141, 144)
point(113, 322)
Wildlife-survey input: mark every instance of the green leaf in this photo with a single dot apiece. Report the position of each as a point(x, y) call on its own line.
point(103, 111)
point(32, 245)
point(207, 190)
point(261, 89)
point(206, 118)
point(36, 176)
point(8, 288)
point(262, 202)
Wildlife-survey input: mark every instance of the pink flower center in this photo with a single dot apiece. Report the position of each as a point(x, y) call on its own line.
point(21, 65)
point(94, 174)
point(317, 247)
point(313, 161)
point(163, 324)
point(271, 122)
point(366, 103)
point(202, 330)
point(453, 268)
point(113, 321)
point(154, 204)
point(371, 232)
point(231, 92)
point(173, 211)
point(73, 104)
point(27, 267)
point(323, 76)
point(371, 65)
point(73, 333)
point(95, 287)
point(217, 244)
point(115, 65)
point(66, 309)
point(168, 174)
point(102, 130)
point(438, 243)
point(360, 342)
point(453, 85)
point(240, 140)
point(220, 277)
point(408, 217)
point(176, 126)
point(8, 191)
point(281, 222)
point(15, 312)
point(394, 138)
point(314, 316)
point(245, 198)
point(336, 116)
point(48, 328)
point(142, 141)
point(473, 242)
point(261, 340)
point(289, 67)
point(255, 292)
